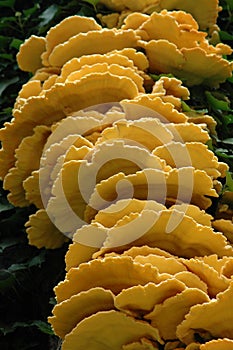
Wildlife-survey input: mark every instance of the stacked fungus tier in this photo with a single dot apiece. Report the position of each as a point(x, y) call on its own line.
point(117, 167)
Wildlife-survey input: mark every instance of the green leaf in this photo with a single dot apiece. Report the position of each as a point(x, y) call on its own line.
point(185, 107)
point(228, 119)
point(92, 2)
point(225, 35)
point(38, 259)
point(48, 15)
point(4, 41)
point(7, 3)
point(7, 82)
point(44, 327)
point(9, 242)
point(223, 152)
point(229, 181)
point(228, 141)
point(31, 10)
point(5, 206)
point(230, 4)
point(6, 280)
point(217, 104)
point(230, 79)
point(15, 43)
point(7, 57)
point(156, 77)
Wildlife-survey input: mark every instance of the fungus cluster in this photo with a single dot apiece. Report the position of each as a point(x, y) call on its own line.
point(110, 160)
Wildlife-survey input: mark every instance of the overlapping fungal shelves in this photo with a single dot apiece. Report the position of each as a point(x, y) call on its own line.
point(115, 166)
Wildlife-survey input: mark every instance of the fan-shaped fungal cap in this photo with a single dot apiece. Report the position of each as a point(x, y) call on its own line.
point(157, 108)
point(194, 154)
point(200, 216)
point(138, 300)
point(139, 58)
point(28, 159)
point(156, 185)
point(114, 273)
point(134, 20)
point(75, 64)
point(216, 283)
point(78, 253)
point(165, 26)
point(185, 237)
point(192, 64)
point(214, 317)
point(111, 329)
point(108, 217)
point(93, 42)
point(224, 226)
point(165, 265)
point(218, 344)
point(70, 312)
point(171, 86)
point(145, 250)
point(114, 69)
point(29, 55)
point(144, 344)
point(66, 29)
point(106, 160)
point(56, 103)
point(189, 132)
point(32, 189)
point(145, 132)
point(191, 280)
point(42, 232)
point(168, 315)
point(205, 12)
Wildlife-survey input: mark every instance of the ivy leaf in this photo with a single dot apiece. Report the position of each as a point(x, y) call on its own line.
point(228, 141)
point(9, 242)
point(15, 43)
point(44, 327)
point(225, 35)
point(230, 4)
point(48, 15)
point(28, 12)
point(229, 181)
point(228, 119)
point(217, 104)
point(223, 152)
point(7, 82)
point(7, 279)
point(7, 3)
point(185, 107)
point(5, 206)
point(92, 2)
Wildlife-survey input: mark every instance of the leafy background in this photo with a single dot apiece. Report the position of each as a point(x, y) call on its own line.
point(27, 274)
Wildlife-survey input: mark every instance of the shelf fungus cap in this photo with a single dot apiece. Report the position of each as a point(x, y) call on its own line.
point(213, 318)
point(67, 314)
point(168, 315)
point(42, 232)
point(93, 42)
point(66, 29)
point(112, 329)
point(205, 12)
point(216, 344)
point(113, 273)
point(29, 55)
point(151, 228)
point(139, 300)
